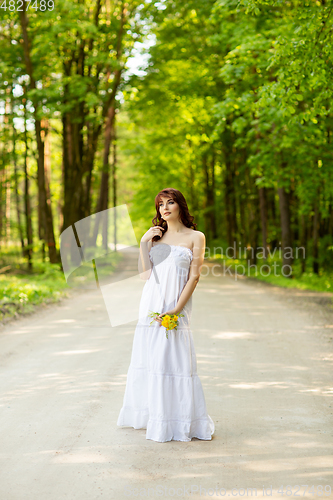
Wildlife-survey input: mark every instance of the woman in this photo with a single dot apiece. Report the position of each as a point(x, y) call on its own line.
point(163, 391)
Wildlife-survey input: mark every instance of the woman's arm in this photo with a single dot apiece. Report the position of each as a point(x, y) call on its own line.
point(195, 270)
point(194, 275)
point(144, 264)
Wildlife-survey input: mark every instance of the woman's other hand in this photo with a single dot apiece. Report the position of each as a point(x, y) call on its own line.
point(152, 232)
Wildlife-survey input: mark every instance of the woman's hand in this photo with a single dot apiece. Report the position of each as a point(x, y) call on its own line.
point(153, 231)
point(160, 317)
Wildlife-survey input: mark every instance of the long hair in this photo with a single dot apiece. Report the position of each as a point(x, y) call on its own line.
point(178, 197)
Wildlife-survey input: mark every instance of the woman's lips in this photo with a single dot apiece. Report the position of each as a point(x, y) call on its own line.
point(168, 213)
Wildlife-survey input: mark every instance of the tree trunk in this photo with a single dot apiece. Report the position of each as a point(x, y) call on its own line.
point(253, 217)
point(209, 213)
point(315, 252)
point(1, 203)
point(103, 199)
point(8, 192)
point(27, 205)
point(272, 213)
point(253, 210)
point(114, 180)
point(242, 200)
point(213, 213)
point(287, 258)
point(244, 235)
point(45, 212)
point(264, 220)
point(303, 240)
point(6, 160)
point(17, 198)
point(230, 196)
point(293, 201)
point(330, 225)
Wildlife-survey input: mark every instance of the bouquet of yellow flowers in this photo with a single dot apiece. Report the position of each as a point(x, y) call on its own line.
point(169, 321)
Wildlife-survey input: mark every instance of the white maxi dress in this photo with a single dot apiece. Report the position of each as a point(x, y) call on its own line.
point(163, 391)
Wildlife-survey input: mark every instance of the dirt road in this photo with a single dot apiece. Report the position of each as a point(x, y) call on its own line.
point(265, 361)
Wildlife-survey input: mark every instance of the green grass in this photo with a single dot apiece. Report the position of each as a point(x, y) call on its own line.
point(21, 291)
point(305, 281)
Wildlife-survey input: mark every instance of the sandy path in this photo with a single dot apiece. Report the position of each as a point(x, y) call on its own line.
point(265, 361)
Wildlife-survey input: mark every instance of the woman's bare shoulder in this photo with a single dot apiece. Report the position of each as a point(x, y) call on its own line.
point(198, 236)
point(198, 239)
point(194, 231)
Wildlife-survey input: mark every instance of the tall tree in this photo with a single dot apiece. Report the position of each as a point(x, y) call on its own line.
point(45, 210)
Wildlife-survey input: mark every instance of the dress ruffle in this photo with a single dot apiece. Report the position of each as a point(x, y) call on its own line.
point(169, 406)
point(178, 430)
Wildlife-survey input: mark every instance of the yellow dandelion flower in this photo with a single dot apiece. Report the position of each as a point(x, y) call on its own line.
point(165, 322)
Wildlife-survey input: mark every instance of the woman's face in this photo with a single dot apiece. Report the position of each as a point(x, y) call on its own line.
point(169, 208)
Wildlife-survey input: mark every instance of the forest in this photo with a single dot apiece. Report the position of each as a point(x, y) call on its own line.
point(105, 103)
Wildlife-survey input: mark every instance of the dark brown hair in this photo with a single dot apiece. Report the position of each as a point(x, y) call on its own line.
point(185, 216)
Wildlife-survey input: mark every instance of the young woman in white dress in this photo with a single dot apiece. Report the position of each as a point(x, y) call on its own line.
point(163, 391)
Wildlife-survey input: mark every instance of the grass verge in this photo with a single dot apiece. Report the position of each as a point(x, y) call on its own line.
point(21, 292)
point(270, 271)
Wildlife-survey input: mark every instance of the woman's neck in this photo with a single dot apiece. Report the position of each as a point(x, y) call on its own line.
point(175, 227)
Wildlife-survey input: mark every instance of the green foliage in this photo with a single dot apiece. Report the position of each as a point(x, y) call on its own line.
point(266, 271)
point(237, 96)
point(20, 293)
